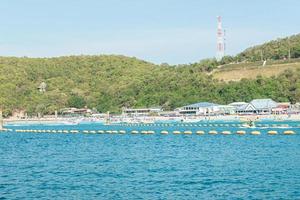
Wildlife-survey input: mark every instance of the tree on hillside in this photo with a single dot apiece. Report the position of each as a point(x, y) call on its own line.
point(76, 101)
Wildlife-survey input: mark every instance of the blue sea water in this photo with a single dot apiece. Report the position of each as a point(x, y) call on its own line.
point(137, 166)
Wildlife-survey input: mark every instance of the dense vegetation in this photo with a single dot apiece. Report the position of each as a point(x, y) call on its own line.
point(282, 48)
point(112, 82)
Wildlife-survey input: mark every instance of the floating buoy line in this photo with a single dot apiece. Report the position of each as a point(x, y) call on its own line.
point(151, 132)
point(176, 129)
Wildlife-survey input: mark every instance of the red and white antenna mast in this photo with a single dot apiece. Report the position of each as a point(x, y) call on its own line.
point(220, 40)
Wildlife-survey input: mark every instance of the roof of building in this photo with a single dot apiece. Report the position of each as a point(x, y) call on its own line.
point(263, 103)
point(237, 104)
point(246, 107)
point(202, 105)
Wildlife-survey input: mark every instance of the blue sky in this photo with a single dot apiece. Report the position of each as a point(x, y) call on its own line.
point(173, 31)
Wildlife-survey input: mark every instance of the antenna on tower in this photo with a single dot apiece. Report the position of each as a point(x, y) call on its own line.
point(220, 40)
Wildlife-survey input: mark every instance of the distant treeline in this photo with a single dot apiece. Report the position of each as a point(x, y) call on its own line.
point(109, 82)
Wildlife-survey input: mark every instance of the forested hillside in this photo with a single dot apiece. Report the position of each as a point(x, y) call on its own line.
point(111, 82)
point(282, 48)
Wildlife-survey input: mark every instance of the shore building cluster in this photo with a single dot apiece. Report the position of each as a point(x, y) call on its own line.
point(254, 107)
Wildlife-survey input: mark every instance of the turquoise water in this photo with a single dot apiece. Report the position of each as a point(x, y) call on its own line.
point(137, 166)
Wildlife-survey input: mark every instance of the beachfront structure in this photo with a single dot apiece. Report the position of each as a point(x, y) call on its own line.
point(141, 111)
point(168, 113)
point(76, 111)
point(201, 108)
point(258, 106)
point(226, 110)
point(19, 114)
point(236, 105)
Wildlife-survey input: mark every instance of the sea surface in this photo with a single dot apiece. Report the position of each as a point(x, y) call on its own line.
point(36, 165)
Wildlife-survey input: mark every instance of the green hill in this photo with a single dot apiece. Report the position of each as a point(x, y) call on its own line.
point(110, 82)
point(279, 49)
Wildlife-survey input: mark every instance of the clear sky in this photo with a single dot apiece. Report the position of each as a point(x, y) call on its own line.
point(173, 31)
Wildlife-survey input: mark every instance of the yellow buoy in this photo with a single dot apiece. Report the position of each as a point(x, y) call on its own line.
point(144, 132)
point(200, 132)
point(176, 132)
point(100, 131)
point(134, 132)
point(151, 132)
point(272, 132)
point(241, 132)
point(188, 132)
point(65, 131)
point(255, 133)
point(290, 132)
point(122, 131)
point(213, 132)
point(226, 132)
point(164, 132)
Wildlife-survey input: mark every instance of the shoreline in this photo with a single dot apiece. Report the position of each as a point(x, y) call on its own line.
point(151, 119)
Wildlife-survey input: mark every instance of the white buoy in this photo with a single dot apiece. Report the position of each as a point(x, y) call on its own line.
point(226, 132)
point(200, 132)
point(122, 131)
point(213, 132)
point(188, 132)
point(176, 132)
point(134, 132)
point(164, 132)
point(73, 131)
point(100, 131)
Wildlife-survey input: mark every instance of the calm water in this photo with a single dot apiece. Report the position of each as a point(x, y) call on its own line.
point(107, 166)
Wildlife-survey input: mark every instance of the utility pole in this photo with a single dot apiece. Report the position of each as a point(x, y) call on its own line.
point(220, 40)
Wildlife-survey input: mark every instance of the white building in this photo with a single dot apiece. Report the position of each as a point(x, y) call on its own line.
point(141, 111)
point(258, 106)
point(202, 108)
